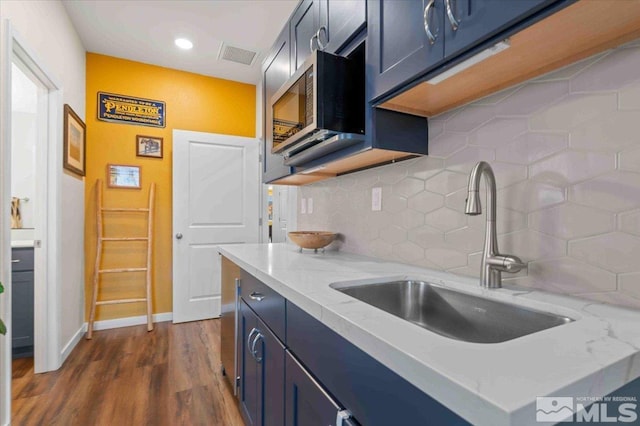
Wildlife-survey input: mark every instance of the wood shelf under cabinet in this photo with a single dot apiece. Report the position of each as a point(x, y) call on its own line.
point(371, 158)
point(574, 33)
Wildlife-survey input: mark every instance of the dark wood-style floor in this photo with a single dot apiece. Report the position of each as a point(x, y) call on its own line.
point(127, 376)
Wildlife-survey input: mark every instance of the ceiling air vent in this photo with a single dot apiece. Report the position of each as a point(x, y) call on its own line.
point(236, 54)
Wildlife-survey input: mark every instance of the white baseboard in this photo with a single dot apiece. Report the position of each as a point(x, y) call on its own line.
point(129, 321)
point(71, 344)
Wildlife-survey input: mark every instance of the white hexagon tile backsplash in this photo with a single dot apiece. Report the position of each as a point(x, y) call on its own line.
point(565, 149)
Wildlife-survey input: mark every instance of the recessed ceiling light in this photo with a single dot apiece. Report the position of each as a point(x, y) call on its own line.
point(183, 43)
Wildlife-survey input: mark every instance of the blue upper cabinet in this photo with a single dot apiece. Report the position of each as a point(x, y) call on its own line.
point(470, 22)
point(340, 21)
point(408, 39)
point(304, 26)
point(275, 73)
point(325, 25)
point(405, 38)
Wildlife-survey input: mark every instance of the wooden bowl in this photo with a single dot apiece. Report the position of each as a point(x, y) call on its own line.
point(312, 239)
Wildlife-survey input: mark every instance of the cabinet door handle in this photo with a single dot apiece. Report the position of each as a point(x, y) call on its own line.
point(251, 333)
point(15, 260)
point(257, 296)
point(452, 18)
point(322, 45)
point(254, 352)
point(427, 13)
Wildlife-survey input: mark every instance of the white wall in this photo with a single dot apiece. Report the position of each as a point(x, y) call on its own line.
point(23, 141)
point(24, 108)
point(45, 27)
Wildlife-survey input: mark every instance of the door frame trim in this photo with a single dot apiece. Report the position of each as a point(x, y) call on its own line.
point(47, 316)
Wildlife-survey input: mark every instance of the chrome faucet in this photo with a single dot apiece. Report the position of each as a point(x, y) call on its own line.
point(493, 263)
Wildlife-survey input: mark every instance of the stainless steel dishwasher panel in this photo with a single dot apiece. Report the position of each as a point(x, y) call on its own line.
point(229, 331)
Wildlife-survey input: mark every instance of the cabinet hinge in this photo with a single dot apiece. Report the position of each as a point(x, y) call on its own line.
point(259, 158)
point(260, 222)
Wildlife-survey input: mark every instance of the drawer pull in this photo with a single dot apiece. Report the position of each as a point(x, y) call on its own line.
point(15, 260)
point(257, 296)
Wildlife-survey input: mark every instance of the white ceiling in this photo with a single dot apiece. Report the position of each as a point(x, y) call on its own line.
point(144, 31)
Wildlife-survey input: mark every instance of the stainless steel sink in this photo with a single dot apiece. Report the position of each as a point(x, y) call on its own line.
point(453, 314)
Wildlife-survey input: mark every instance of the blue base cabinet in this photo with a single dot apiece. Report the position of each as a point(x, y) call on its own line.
point(374, 394)
point(307, 375)
point(261, 371)
point(22, 282)
point(307, 403)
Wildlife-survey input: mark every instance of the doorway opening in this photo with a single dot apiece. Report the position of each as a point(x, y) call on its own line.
point(280, 212)
point(27, 120)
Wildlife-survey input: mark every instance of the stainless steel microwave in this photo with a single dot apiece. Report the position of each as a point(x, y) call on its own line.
point(322, 103)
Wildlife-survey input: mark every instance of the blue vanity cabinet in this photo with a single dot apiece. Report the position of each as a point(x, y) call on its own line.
point(262, 361)
point(399, 48)
point(22, 281)
point(275, 72)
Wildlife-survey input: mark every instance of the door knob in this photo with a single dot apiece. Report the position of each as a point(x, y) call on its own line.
point(179, 236)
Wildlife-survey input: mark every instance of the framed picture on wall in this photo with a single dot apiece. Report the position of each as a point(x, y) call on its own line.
point(123, 176)
point(75, 142)
point(148, 146)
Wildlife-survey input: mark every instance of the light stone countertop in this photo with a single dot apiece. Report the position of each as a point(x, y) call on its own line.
point(487, 384)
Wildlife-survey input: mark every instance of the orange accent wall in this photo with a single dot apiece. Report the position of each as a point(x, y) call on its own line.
point(193, 102)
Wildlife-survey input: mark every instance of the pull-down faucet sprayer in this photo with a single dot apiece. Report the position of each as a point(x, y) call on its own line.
point(493, 263)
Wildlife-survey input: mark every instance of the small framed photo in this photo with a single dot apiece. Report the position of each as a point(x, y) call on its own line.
point(75, 142)
point(122, 176)
point(148, 146)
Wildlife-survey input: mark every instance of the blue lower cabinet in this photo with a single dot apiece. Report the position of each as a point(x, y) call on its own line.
point(261, 372)
point(374, 394)
point(307, 403)
point(22, 282)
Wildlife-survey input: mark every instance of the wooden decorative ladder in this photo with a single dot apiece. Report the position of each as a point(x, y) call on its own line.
point(100, 211)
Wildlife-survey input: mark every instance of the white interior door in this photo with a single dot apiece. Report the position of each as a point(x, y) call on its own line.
point(215, 201)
